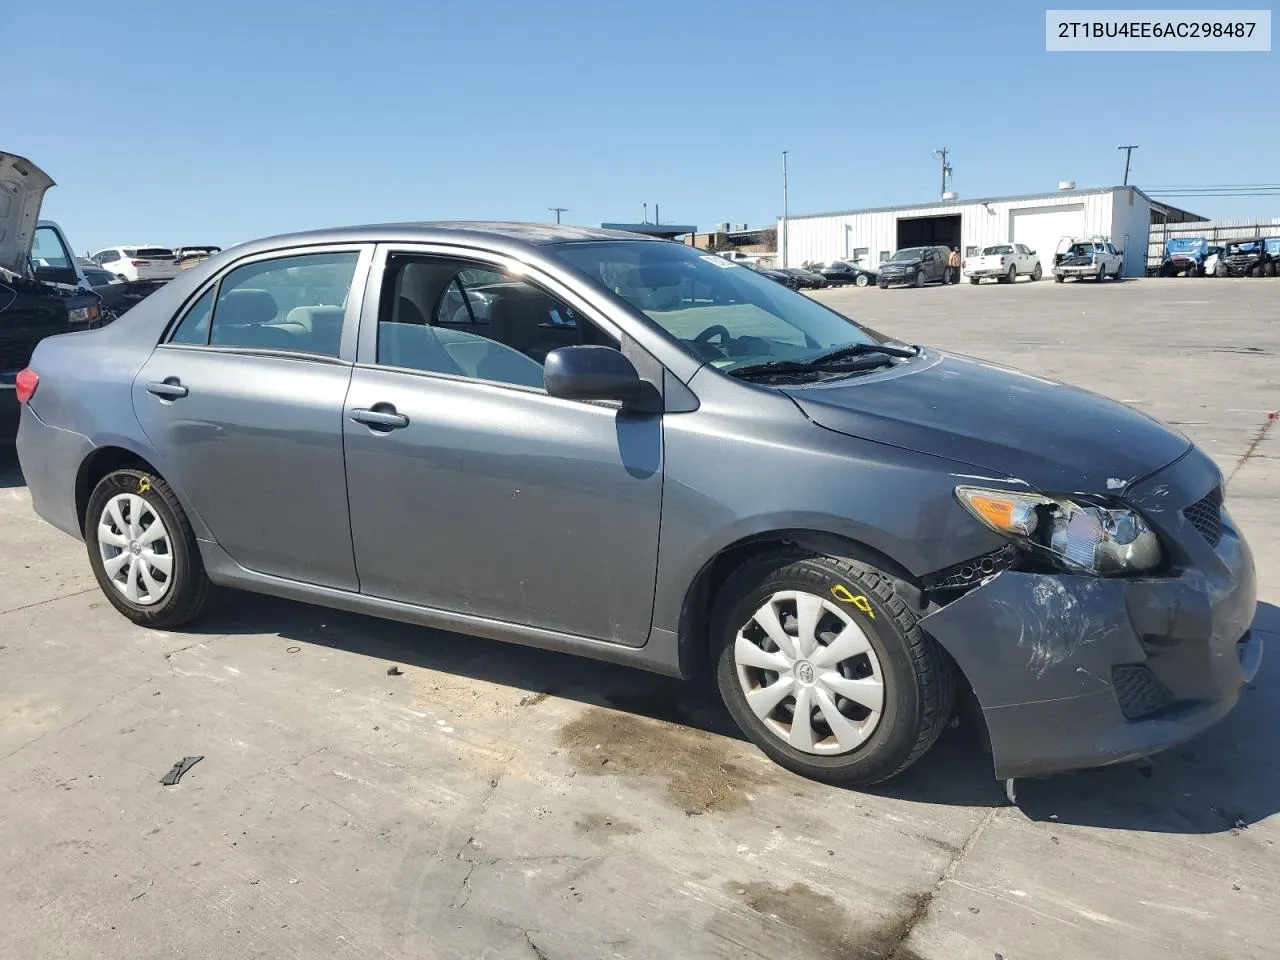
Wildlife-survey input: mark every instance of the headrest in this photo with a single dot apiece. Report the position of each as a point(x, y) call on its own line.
point(246, 306)
point(316, 318)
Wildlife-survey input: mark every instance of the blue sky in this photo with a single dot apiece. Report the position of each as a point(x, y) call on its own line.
point(186, 123)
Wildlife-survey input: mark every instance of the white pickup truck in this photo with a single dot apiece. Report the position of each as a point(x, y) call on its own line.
point(1004, 261)
point(1097, 258)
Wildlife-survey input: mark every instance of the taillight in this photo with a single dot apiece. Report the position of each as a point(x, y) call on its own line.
point(137, 263)
point(25, 384)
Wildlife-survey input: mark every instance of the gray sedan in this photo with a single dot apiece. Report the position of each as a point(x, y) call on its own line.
point(632, 450)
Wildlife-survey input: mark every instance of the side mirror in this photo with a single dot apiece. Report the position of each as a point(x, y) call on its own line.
point(65, 275)
point(590, 372)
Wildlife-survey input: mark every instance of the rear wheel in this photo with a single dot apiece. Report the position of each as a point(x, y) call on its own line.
point(143, 551)
point(884, 286)
point(1102, 273)
point(1012, 275)
point(826, 669)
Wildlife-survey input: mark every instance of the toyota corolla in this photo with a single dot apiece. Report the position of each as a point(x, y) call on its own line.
point(629, 449)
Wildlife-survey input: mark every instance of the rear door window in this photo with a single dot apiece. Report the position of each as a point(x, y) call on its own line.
point(154, 253)
point(294, 304)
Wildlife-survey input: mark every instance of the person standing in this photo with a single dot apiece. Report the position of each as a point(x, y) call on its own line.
point(953, 264)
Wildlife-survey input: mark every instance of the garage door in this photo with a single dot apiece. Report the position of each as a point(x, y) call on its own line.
point(1040, 228)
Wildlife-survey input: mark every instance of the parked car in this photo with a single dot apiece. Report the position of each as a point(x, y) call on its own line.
point(843, 271)
point(188, 257)
point(803, 279)
point(138, 263)
point(914, 265)
point(1255, 257)
point(1005, 262)
point(853, 529)
point(1097, 258)
point(1184, 255)
point(774, 274)
point(39, 296)
point(1214, 263)
point(117, 295)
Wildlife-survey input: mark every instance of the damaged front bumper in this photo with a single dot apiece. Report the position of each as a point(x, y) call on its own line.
point(1076, 671)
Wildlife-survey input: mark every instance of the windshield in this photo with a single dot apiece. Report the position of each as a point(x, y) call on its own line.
point(1245, 247)
point(718, 311)
point(997, 251)
point(1186, 245)
point(1272, 245)
point(911, 253)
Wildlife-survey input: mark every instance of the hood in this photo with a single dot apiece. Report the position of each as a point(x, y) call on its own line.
point(901, 264)
point(999, 421)
point(22, 188)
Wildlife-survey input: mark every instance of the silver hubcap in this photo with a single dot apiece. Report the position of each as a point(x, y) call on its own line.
point(809, 673)
point(137, 554)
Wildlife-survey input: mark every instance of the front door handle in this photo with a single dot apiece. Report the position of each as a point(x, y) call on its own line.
point(170, 388)
point(382, 417)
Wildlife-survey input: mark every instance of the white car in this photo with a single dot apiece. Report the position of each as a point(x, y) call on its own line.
point(138, 262)
point(1004, 261)
point(1097, 258)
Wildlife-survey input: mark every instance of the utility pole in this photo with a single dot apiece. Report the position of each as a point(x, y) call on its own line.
point(557, 211)
point(646, 214)
point(1128, 153)
point(784, 209)
point(946, 167)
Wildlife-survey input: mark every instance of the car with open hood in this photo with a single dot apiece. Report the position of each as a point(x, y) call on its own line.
point(43, 290)
point(645, 453)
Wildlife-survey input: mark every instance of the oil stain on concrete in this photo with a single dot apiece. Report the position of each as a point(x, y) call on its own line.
point(700, 777)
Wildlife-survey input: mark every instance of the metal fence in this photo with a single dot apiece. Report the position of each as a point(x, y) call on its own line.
point(1215, 231)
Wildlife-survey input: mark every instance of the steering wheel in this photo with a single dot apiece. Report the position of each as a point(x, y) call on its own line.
point(715, 330)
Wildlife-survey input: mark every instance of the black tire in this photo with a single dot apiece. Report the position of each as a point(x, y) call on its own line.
point(884, 286)
point(919, 278)
point(1269, 270)
point(189, 591)
point(1037, 273)
point(1011, 276)
point(974, 280)
point(919, 683)
point(1221, 271)
point(1058, 279)
point(860, 280)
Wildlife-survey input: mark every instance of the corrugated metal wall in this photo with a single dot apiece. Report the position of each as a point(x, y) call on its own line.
point(1131, 222)
point(838, 236)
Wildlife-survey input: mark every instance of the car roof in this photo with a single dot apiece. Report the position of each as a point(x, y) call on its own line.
point(489, 233)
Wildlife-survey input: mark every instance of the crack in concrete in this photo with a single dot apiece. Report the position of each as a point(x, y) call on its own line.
point(925, 900)
point(1256, 442)
point(120, 694)
point(537, 950)
point(41, 603)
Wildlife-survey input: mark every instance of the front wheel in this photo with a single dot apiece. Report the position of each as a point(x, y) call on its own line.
point(920, 279)
point(1269, 270)
point(861, 280)
point(143, 551)
point(826, 670)
point(884, 286)
point(974, 281)
point(1037, 273)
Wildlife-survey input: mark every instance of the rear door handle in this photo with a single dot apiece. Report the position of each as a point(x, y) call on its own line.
point(170, 388)
point(382, 417)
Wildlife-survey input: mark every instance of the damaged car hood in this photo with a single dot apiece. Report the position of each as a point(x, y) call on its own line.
point(22, 189)
point(1004, 422)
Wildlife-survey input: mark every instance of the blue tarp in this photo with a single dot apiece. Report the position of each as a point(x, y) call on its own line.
point(1272, 245)
point(1187, 246)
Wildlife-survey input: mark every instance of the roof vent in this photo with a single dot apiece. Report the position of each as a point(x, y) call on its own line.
point(1066, 184)
point(742, 226)
point(950, 195)
point(722, 228)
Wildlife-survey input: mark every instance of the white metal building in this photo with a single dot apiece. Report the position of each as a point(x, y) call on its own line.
point(1040, 221)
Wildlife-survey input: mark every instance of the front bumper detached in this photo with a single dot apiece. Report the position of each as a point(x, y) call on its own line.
point(1074, 672)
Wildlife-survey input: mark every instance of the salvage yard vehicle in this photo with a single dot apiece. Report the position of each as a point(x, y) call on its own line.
point(139, 262)
point(1005, 262)
point(915, 266)
point(803, 279)
point(1255, 257)
point(648, 454)
point(1186, 256)
point(39, 296)
point(1095, 258)
point(842, 271)
point(188, 257)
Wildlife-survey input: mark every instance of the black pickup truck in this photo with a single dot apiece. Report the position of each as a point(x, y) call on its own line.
point(39, 297)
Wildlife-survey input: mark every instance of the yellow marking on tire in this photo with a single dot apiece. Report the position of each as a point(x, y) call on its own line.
point(859, 601)
point(144, 484)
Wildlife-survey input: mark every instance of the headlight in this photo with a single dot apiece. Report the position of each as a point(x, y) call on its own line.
point(83, 314)
point(1094, 538)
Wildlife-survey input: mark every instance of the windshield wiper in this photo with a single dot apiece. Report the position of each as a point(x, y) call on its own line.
point(771, 368)
point(857, 349)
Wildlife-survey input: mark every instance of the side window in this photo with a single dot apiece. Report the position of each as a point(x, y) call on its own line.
point(448, 316)
point(194, 328)
point(47, 249)
point(292, 303)
point(107, 256)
